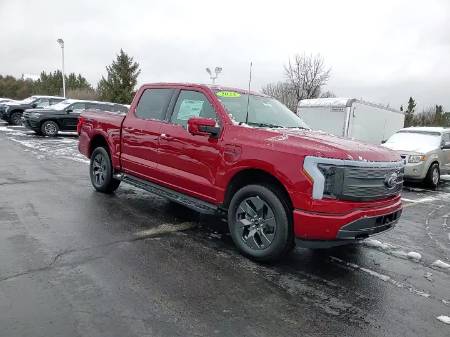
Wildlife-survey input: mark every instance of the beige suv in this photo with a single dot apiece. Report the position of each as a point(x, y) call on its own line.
point(425, 150)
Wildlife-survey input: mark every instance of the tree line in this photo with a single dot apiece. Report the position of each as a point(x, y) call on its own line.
point(431, 116)
point(117, 86)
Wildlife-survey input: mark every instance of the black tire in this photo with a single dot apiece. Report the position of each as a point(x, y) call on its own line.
point(258, 238)
point(15, 118)
point(49, 128)
point(101, 171)
point(433, 176)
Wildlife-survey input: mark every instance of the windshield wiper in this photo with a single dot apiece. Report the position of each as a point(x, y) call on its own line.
point(266, 125)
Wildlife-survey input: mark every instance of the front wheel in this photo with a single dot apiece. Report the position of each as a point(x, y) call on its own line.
point(433, 176)
point(49, 128)
point(259, 223)
point(101, 171)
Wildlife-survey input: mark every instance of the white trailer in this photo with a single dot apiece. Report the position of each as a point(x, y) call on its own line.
point(351, 118)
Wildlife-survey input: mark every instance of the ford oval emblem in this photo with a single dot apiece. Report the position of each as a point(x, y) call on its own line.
point(391, 180)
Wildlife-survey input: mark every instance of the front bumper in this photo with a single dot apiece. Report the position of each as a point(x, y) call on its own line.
point(415, 171)
point(353, 225)
point(30, 123)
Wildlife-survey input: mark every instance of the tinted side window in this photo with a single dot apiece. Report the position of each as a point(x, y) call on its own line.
point(192, 104)
point(42, 102)
point(77, 106)
point(446, 137)
point(153, 104)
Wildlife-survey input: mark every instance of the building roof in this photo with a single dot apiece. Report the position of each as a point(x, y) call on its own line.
point(339, 102)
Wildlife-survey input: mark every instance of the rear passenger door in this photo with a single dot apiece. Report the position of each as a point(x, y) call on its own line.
point(141, 129)
point(189, 163)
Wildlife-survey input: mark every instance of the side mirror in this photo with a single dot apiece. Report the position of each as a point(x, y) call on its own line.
point(203, 127)
point(445, 146)
point(383, 141)
point(69, 111)
point(33, 105)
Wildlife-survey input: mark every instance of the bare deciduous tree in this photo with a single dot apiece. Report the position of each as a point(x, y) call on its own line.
point(283, 92)
point(306, 75)
point(327, 94)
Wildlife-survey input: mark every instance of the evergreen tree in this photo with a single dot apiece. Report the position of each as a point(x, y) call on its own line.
point(409, 113)
point(120, 81)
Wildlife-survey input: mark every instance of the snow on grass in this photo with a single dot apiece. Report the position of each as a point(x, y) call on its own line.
point(440, 264)
point(444, 319)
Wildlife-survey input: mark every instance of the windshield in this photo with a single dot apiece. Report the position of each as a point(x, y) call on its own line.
point(28, 100)
point(418, 141)
point(262, 111)
point(60, 106)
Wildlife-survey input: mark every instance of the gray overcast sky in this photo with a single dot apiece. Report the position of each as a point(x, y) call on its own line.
point(383, 51)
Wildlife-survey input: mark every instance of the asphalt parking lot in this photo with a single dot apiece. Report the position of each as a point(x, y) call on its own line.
point(74, 262)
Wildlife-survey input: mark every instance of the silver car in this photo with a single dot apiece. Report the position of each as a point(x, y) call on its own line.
point(425, 150)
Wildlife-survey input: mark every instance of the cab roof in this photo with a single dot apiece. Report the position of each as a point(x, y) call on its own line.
point(214, 87)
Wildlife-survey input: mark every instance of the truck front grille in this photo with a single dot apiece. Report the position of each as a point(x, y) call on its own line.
point(366, 183)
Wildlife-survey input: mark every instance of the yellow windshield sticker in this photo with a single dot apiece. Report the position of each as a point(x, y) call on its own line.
point(228, 94)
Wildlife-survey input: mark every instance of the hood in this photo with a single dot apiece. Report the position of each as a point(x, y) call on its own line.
point(45, 110)
point(411, 147)
point(320, 144)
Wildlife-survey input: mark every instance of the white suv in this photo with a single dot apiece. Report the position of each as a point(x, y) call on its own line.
point(425, 150)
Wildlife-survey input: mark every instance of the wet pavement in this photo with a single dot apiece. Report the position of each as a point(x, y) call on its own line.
point(74, 262)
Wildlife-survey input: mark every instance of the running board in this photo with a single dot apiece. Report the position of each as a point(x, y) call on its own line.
point(183, 199)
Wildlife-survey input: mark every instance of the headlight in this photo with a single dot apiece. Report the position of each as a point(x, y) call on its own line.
point(416, 158)
point(333, 176)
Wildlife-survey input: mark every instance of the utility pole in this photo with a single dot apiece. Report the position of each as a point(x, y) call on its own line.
point(61, 43)
point(213, 77)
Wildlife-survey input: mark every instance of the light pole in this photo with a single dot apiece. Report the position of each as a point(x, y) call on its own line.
point(61, 43)
point(217, 71)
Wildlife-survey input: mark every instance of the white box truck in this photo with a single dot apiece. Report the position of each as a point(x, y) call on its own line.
point(351, 118)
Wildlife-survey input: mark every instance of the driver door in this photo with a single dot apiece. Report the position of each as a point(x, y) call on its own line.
point(189, 163)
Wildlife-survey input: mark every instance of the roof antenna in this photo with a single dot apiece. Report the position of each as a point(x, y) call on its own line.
point(248, 94)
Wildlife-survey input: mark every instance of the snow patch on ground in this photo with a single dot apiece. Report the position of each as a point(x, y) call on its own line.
point(392, 250)
point(382, 277)
point(414, 256)
point(440, 264)
point(444, 319)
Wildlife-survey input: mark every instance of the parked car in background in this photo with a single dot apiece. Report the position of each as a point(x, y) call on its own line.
point(425, 150)
point(5, 100)
point(64, 115)
point(247, 156)
point(12, 111)
point(351, 118)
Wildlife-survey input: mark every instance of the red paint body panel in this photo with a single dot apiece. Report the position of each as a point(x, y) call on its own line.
point(203, 167)
point(324, 226)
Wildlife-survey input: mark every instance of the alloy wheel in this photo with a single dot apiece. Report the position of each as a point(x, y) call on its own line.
point(256, 223)
point(99, 169)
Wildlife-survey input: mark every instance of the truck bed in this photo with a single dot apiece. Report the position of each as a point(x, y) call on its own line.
point(105, 124)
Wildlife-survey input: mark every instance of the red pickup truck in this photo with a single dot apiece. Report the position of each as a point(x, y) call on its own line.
point(244, 154)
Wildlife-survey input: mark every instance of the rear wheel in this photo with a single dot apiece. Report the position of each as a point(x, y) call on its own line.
point(433, 176)
point(49, 128)
point(259, 223)
point(101, 171)
point(16, 118)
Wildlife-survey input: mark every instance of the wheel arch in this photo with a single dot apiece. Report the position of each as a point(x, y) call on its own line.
point(97, 141)
point(250, 176)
